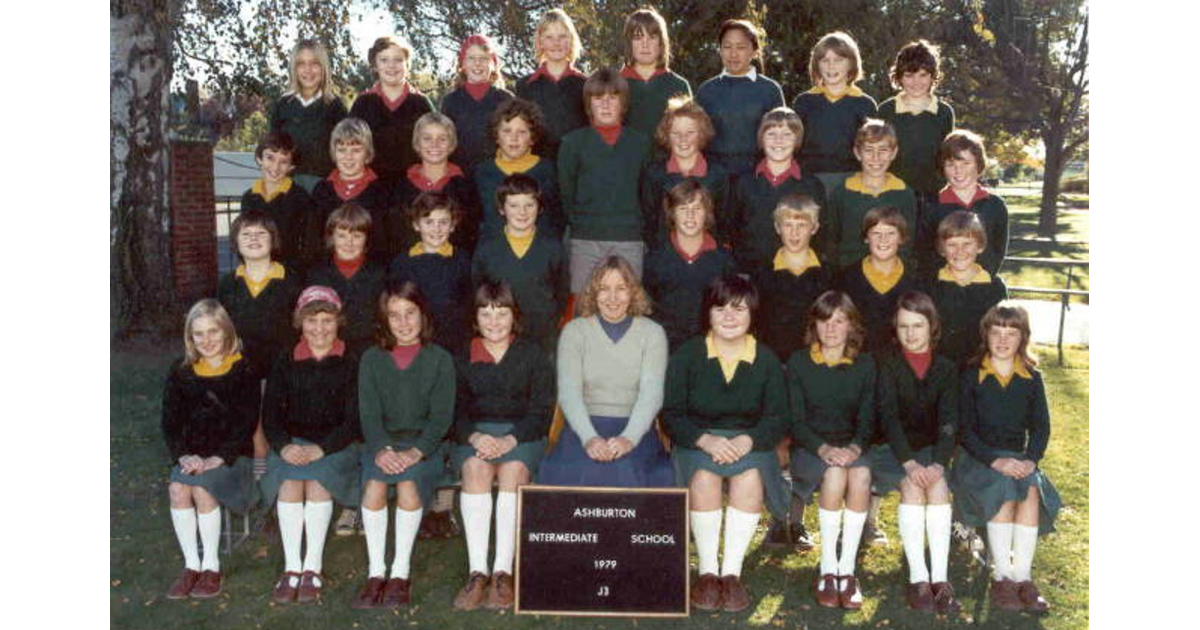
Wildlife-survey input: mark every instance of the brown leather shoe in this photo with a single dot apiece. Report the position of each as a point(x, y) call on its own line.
point(183, 584)
point(285, 588)
point(1031, 599)
point(500, 594)
point(734, 597)
point(396, 593)
point(849, 595)
point(827, 590)
point(920, 596)
point(944, 601)
point(310, 587)
point(1004, 595)
point(472, 593)
point(368, 596)
point(208, 586)
point(706, 592)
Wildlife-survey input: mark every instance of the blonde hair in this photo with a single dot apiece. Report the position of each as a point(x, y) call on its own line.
point(797, 204)
point(209, 307)
point(352, 131)
point(639, 301)
point(434, 118)
point(842, 45)
point(327, 88)
point(557, 16)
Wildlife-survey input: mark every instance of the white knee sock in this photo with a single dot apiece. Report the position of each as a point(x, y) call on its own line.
point(911, 521)
point(937, 527)
point(830, 522)
point(291, 527)
point(506, 531)
point(210, 538)
point(1000, 542)
point(316, 524)
point(375, 528)
point(477, 524)
point(407, 524)
point(706, 531)
point(852, 526)
point(739, 531)
point(1024, 544)
point(184, 520)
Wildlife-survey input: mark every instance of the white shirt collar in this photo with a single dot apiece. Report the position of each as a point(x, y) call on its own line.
point(752, 75)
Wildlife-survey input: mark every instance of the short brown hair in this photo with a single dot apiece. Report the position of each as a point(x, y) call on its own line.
point(961, 140)
point(684, 107)
point(497, 294)
point(823, 308)
point(1006, 314)
point(428, 201)
point(383, 43)
point(315, 307)
point(255, 217)
point(916, 56)
point(961, 223)
point(277, 141)
point(726, 289)
point(887, 215)
point(209, 307)
point(348, 216)
point(405, 290)
point(875, 130)
point(518, 184)
point(842, 45)
point(519, 108)
point(782, 116)
point(639, 301)
point(603, 82)
point(685, 192)
point(921, 304)
point(647, 20)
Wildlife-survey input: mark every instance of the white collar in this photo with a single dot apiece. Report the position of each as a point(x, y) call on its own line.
point(752, 74)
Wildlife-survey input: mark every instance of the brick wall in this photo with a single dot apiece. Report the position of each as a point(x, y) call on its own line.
point(193, 223)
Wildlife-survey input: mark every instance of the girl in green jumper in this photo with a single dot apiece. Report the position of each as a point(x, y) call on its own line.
point(1005, 430)
point(918, 411)
point(647, 67)
point(832, 391)
point(406, 404)
point(726, 408)
point(921, 119)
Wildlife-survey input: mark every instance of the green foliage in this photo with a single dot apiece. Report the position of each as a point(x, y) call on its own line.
point(247, 135)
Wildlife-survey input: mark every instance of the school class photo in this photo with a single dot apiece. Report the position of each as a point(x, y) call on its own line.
point(785, 258)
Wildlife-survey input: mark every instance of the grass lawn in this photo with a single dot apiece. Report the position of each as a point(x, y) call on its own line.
point(1072, 243)
point(145, 558)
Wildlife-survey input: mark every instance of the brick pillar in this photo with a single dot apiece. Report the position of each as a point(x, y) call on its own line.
point(193, 220)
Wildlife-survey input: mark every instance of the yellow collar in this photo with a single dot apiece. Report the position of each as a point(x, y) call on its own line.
point(780, 262)
point(260, 188)
point(202, 367)
point(818, 357)
point(519, 165)
point(520, 244)
point(986, 368)
point(880, 281)
point(981, 276)
point(855, 183)
point(902, 106)
point(276, 272)
point(749, 353)
point(446, 250)
point(852, 90)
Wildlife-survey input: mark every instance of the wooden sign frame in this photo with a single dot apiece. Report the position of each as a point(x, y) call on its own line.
point(686, 528)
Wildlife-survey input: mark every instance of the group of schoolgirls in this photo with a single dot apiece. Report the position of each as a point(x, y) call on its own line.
point(411, 229)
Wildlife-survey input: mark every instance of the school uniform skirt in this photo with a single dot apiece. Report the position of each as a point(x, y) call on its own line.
point(808, 470)
point(646, 466)
point(887, 471)
point(528, 453)
point(339, 473)
point(232, 486)
point(688, 460)
point(427, 474)
point(979, 492)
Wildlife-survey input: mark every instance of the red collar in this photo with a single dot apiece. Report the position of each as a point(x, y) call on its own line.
point(417, 176)
point(793, 172)
point(629, 73)
point(948, 197)
point(709, 244)
point(377, 90)
point(543, 73)
point(303, 353)
point(348, 267)
point(609, 134)
point(477, 90)
point(919, 362)
point(403, 356)
point(347, 190)
point(700, 169)
point(479, 352)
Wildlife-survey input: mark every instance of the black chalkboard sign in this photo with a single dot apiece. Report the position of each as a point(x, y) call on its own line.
point(602, 551)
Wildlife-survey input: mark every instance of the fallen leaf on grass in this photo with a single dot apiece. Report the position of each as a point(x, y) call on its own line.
point(116, 583)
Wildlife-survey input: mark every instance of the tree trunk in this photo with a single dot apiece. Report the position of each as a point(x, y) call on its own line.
point(1054, 138)
point(141, 288)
